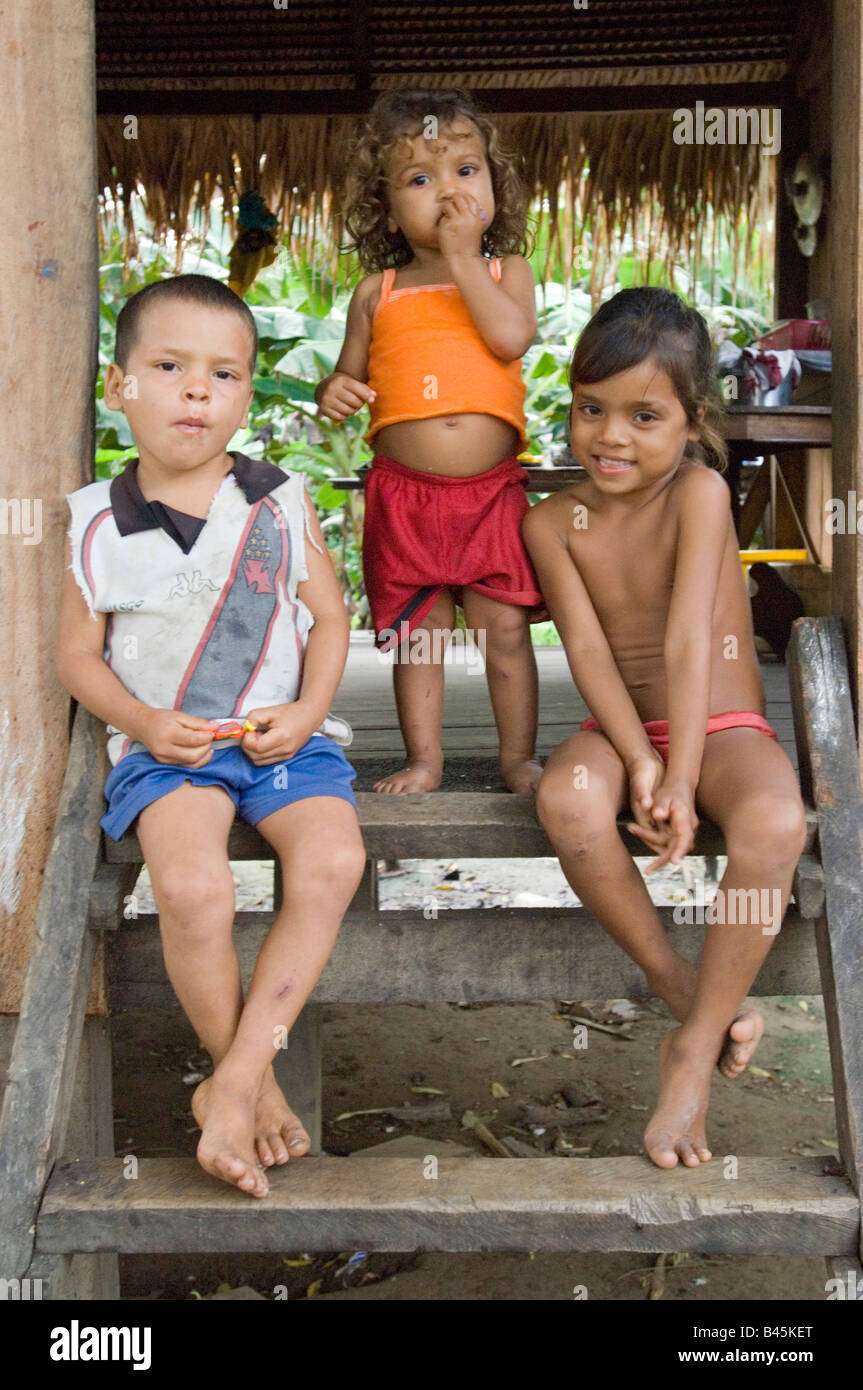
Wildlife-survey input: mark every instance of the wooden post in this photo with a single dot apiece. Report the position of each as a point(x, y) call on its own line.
point(847, 266)
point(48, 325)
point(791, 267)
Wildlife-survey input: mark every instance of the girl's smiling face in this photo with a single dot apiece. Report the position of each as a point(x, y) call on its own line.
point(629, 430)
point(424, 173)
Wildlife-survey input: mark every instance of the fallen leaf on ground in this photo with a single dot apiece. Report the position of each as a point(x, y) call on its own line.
point(522, 1061)
point(498, 1091)
point(470, 1119)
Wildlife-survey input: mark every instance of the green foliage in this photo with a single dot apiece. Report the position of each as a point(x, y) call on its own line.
point(300, 314)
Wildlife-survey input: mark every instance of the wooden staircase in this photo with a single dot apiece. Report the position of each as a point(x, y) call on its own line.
point(65, 1213)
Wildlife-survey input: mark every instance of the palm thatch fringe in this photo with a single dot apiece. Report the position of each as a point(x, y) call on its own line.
point(612, 173)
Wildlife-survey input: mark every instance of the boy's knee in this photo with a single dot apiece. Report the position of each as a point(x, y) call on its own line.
point(347, 865)
point(188, 892)
point(341, 870)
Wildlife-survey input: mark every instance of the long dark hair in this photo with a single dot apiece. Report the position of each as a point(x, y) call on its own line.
point(651, 322)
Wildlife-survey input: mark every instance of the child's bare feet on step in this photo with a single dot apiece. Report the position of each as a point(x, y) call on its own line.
point(419, 775)
point(279, 1134)
point(741, 1040)
point(521, 775)
point(677, 988)
point(676, 1132)
point(226, 1147)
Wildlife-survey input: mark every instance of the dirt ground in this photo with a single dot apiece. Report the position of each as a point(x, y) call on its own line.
point(453, 1059)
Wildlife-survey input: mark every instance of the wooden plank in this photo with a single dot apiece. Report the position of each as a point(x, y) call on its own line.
point(768, 427)
point(90, 1134)
point(774, 1206)
point(850, 1274)
point(50, 278)
point(426, 825)
point(511, 954)
point(42, 1069)
point(809, 887)
point(819, 680)
point(752, 510)
point(846, 246)
point(112, 885)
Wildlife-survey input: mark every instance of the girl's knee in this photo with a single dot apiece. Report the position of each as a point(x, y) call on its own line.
point(507, 632)
point(575, 806)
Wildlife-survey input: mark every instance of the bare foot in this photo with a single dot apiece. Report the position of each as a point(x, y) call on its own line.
point(417, 776)
point(521, 775)
point(279, 1134)
point(676, 1132)
point(226, 1148)
point(677, 988)
point(741, 1040)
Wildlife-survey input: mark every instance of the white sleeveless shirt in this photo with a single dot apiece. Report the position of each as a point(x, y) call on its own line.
point(214, 627)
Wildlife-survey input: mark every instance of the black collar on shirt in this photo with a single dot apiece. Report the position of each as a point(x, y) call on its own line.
point(132, 511)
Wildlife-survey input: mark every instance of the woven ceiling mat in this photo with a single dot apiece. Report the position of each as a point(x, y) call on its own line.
point(619, 173)
point(370, 40)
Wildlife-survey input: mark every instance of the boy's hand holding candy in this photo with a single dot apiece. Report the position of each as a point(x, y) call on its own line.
point(172, 736)
point(287, 729)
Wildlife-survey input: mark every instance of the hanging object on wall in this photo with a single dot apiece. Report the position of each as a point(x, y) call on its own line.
point(806, 191)
point(255, 246)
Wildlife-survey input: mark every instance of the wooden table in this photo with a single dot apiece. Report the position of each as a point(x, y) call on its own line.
point(770, 430)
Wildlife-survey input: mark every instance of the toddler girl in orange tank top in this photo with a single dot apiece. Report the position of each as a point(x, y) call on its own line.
point(434, 340)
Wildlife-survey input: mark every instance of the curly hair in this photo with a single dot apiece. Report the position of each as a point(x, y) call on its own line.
point(651, 322)
point(402, 115)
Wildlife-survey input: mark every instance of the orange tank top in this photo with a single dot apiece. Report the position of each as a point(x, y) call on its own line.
point(427, 358)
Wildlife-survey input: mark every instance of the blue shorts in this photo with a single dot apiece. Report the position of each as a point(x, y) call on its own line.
point(319, 768)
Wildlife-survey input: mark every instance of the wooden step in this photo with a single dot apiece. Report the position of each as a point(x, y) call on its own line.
point(432, 825)
point(773, 1206)
point(513, 954)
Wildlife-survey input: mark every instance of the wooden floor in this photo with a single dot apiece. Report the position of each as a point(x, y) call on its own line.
point(365, 699)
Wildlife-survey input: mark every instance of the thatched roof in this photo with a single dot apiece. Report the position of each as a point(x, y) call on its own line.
point(550, 70)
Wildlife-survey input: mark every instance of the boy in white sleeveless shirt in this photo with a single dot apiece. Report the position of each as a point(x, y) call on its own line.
point(192, 598)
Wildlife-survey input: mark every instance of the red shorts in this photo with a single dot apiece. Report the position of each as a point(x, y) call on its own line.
point(425, 532)
point(657, 729)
